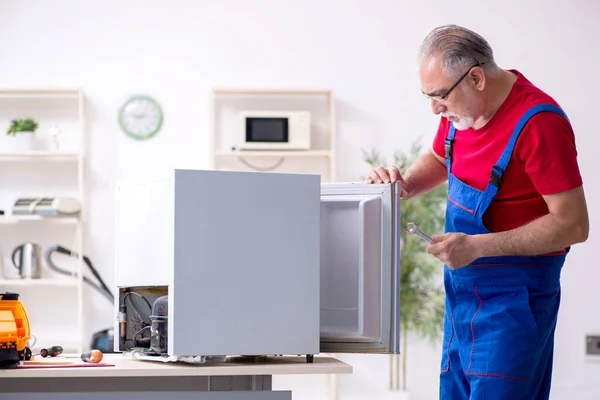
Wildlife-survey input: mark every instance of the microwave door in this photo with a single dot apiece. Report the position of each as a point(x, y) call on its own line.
point(360, 271)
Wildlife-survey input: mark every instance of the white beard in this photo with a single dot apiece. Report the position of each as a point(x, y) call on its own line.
point(463, 122)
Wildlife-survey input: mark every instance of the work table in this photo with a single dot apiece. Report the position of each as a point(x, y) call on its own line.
point(240, 375)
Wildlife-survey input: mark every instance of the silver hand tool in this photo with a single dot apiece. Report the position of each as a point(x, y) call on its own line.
point(413, 229)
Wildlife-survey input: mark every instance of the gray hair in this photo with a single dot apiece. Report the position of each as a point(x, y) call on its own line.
point(459, 48)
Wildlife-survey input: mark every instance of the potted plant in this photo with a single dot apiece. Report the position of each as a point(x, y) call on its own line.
point(23, 130)
point(421, 286)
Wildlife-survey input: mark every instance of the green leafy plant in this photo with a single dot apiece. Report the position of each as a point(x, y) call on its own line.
point(22, 125)
point(421, 292)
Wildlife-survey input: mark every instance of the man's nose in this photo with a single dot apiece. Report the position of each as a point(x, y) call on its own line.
point(437, 107)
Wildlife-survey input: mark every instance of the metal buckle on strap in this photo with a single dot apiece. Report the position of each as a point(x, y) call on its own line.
point(448, 147)
point(496, 176)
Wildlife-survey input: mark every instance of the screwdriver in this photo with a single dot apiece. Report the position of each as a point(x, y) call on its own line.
point(94, 356)
point(51, 352)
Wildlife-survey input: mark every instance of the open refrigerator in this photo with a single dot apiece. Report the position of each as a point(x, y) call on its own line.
point(221, 263)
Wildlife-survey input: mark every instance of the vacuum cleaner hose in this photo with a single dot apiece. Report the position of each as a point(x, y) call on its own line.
point(102, 288)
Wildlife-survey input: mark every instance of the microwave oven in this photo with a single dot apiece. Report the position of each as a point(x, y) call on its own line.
point(275, 130)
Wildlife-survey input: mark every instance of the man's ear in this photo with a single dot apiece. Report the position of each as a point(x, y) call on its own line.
point(477, 78)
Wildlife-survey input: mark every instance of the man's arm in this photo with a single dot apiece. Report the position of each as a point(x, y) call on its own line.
point(427, 173)
point(566, 224)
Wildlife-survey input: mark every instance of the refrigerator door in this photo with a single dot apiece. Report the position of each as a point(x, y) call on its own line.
point(360, 268)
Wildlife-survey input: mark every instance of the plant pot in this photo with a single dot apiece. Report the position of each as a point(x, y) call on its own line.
point(23, 142)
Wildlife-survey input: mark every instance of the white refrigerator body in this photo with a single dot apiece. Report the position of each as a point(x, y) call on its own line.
point(264, 263)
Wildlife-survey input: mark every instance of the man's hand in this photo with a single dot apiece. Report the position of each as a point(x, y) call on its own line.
point(454, 249)
point(384, 175)
point(388, 175)
point(424, 175)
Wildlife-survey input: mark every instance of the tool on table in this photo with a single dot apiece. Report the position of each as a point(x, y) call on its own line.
point(413, 229)
point(55, 362)
point(51, 352)
point(94, 356)
point(14, 331)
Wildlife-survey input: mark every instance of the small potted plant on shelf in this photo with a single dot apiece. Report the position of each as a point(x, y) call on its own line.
point(23, 131)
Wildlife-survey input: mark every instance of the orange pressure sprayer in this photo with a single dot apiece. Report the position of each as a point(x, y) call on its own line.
point(14, 330)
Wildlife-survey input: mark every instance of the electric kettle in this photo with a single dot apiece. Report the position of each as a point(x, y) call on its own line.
point(27, 259)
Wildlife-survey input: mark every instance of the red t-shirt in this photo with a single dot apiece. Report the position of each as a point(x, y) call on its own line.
point(544, 160)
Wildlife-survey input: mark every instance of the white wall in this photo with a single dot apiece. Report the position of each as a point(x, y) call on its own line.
point(364, 50)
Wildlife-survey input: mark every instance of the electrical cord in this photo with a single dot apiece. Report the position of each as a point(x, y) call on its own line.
point(144, 340)
point(133, 305)
point(102, 288)
point(271, 168)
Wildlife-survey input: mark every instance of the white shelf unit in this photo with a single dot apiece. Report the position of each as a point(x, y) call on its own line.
point(226, 105)
point(55, 302)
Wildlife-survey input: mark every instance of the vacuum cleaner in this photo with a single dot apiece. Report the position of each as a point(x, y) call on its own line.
point(104, 339)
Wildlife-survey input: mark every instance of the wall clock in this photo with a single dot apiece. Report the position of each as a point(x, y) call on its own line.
point(140, 117)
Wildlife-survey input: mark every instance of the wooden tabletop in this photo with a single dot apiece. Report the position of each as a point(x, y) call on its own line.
point(124, 366)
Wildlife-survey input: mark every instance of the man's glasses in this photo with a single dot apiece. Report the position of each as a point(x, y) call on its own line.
point(444, 95)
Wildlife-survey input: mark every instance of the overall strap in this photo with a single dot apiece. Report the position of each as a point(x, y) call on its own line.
point(500, 166)
point(448, 144)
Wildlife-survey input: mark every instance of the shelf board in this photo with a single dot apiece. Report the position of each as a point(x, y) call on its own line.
point(275, 92)
point(38, 282)
point(40, 156)
point(15, 219)
point(41, 93)
point(274, 153)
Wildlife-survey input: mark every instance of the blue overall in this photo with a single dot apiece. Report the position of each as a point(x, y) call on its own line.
point(500, 312)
